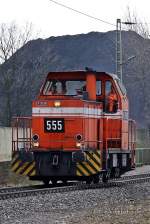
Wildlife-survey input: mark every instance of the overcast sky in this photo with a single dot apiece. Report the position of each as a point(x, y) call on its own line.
point(54, 20)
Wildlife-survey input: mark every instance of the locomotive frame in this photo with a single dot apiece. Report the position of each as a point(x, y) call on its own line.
point(73, 134)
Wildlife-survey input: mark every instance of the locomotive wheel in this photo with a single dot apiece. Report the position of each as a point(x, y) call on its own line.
point(89, 180)
point(54, 182)
point(109, 173)
point(46, 182)
point(96, 179)
point(117, 172)
point(105, 177)
point(112, 173)
point(64, 182)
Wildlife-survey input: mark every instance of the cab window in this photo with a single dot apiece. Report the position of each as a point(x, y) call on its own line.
point(98, 87)
point(75, 87)
point(108, 87)
point(64, 87)
point(111, 105)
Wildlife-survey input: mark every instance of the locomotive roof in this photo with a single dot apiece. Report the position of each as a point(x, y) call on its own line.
point(83, 72)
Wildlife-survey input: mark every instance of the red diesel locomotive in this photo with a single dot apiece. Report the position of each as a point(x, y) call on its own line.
point(79, 129)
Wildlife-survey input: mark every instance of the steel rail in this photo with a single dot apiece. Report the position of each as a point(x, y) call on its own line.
point(21, 188)
point(39, 189)
point(24, 188)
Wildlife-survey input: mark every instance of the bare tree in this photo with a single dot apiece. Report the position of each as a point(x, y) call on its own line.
point(140, 71)
point(11, 39)
point(137, 24)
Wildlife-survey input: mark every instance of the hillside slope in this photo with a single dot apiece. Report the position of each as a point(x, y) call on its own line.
point(22, 75)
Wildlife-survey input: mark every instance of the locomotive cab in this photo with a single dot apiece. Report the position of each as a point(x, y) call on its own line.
point(79, 129)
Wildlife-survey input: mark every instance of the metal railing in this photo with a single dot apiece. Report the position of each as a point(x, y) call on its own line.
point(21, 133)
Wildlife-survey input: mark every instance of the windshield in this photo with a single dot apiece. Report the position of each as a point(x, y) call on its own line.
point(63, 87)
point(68, 87)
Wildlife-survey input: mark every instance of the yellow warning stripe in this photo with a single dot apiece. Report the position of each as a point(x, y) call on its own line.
point(33, 173)
point(21, 168)
point(78, 173)
point(84, 171)
point(97, 160)
point(16, 165)
point(95, 165)
point(98, 154)
point(96, 157)
point(28, 169)
point(91, 166)
point(92, 158)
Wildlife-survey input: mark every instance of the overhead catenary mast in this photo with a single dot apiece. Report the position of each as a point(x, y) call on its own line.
point(118, 50)
point(119, 61)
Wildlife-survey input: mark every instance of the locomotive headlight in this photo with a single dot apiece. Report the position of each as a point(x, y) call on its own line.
point(78, 139)
point(57, 103)
point(35, 139)
point(78, 144)
point(35, 144)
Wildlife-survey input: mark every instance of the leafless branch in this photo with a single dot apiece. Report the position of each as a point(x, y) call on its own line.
point(12, 38)
point(141, 26)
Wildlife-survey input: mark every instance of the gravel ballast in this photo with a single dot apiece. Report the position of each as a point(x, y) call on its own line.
point(127, 204)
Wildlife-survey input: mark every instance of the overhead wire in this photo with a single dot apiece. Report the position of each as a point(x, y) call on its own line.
point(87, 15)
point(90, 16)
point(82, 13)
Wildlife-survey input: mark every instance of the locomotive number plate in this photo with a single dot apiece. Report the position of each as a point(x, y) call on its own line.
point(54, 125)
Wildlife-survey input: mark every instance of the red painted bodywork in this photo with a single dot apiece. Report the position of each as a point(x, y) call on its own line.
point(109, 130)
point(87, 117)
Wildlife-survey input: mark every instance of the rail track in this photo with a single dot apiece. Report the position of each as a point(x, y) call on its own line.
point(15, 192)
